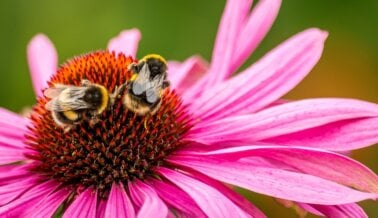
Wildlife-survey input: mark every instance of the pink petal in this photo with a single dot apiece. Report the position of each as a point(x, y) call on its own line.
point(42, 60)
point(229, 193)
point(126, 42)
point(10, 154)
point(7, 142)
point(309, 208)
point(254, 31)
point(183, 75)
point(264, 82)
point(337, 211)
point(83, 206)
point(12, 125)
point(339, 136)
point(176, 198)
point(119, 204)
point(327, 165)
point(149, 203)
point(28, 199)
point(100, 213)
point(210, 200)
point(286, 119)
point(276, 103)
point(13, 173)
point(275, 182)
point(12, 147)
point(331, 166)
point(14, 188)
point(232, 21)
point(49, 205)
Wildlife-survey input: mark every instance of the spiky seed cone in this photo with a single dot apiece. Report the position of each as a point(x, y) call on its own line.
point(120, 147)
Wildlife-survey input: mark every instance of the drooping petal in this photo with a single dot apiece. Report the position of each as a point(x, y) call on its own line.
point(12, 136)
point(176, 198)
point(233, 18)
point(15, 187)
point(254, 31)
point(149, 203)
point(288, 118)
point(183, 75)
point(126, 42)
point(331, 166)
point(239, 200)
point(12, 143)
point(42, 60)
point(265, 81)
point(118, 203)
point(48, 206)
point(12, 125)
point(344, 135)
point(275, 182)
point(212, 202)
point(337, 211)
point(13, 173)
point(9, 153)
point(83, 206)
point(29, 198)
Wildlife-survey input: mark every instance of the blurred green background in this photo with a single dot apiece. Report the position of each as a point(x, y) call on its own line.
point(178, 29)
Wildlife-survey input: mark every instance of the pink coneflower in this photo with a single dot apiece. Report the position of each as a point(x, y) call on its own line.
point(211, 130)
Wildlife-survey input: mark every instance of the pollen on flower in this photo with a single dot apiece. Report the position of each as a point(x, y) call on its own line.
point(120, 147)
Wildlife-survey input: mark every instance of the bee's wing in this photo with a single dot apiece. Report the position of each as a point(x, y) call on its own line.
point(152, 95)
point(144, 73)
point(69, 99)
point(51, 105)
point(153, 92)
point(55, 91)
point(142, 81)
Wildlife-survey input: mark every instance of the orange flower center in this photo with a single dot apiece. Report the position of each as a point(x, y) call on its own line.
point(119, 147)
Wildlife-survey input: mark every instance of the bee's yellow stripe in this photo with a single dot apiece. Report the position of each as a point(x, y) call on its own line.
point(105, 99)
point(155, 56)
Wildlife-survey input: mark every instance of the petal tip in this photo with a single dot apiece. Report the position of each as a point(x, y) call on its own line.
point(126, 41)
point(317, 32)
point(38, 40)
point(324, 34)
point(42, 60)
point(134, 31)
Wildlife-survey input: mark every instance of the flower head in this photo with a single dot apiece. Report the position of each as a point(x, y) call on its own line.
point(211, 129)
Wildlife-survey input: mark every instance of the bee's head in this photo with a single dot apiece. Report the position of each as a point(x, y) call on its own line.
point(156, 64)
point(93, 96)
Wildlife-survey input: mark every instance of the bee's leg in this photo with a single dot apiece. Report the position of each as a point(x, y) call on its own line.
point(85, 82)
point(145, 122)
point(93, 118)
point(118, 93)
point(93, 121)
point(113, 96)
point(119, 90)
point(133, 67)
point(165, 84)
point(67, 128)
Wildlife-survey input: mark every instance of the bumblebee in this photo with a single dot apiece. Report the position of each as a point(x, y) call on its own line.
point(144, 89)
point(72, 104)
